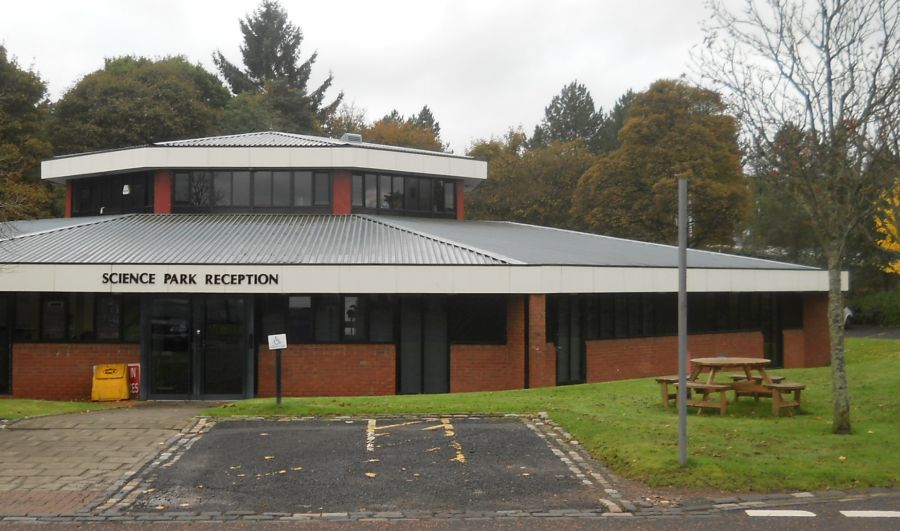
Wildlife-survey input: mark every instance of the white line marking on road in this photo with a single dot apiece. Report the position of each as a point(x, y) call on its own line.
point(871, 514)
point(370, 436)
point(776, 512)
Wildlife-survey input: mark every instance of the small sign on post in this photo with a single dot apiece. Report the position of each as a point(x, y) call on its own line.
point(278, 342)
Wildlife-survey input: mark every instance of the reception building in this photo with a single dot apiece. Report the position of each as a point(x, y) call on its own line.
point(184, 256)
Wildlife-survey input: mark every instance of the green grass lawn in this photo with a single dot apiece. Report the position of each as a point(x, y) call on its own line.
point(624, 425)
point(16, 408)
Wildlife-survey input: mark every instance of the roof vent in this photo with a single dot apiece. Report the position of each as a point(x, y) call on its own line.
point(351, 137)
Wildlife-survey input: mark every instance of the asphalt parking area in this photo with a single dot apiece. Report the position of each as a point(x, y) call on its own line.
point(484, 464)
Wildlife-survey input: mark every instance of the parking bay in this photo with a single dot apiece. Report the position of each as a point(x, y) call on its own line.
point(427, 464)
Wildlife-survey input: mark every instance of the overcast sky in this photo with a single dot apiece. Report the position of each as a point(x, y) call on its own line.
point(482, 66)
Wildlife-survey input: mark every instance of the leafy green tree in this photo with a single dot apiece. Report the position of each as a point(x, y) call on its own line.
point(273, 69)
point(528, 185)
point(23, 142)
point(608, 135)
point(347, 119)
point(134, 100)
point(672, 130)
point(570, 116)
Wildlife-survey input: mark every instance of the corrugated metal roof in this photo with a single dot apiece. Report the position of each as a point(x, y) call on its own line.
point(236, 239)
point(258, 239)
point(530, 244)
point(279, 139)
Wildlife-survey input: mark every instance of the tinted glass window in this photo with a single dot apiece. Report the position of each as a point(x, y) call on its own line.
point(109, 317)
point(328, 311)
point(222, 188)
point(262, 188)
point(425, 196)
point(240, 188)
point(354, 319)
point(397, 191)
point(381, 318)
point(450, 196)
point(371, 191)
point(322, 189)
point(281, 188)
point(477, 319)
point(131, 318)
point(302, 188)
point(411, 193)
point(28, 309)
point(53, 317)
point(357, 191)
point(300, 320)
point(81, 316)
point(271, 316)
point(384, 189)
point(182, 188)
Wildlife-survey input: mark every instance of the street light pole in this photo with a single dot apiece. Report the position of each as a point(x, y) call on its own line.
point(682, 319)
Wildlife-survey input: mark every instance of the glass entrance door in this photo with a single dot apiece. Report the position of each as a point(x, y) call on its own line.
point(5, 345)
point(199, 347)
point(224, 346)
point(170, 363)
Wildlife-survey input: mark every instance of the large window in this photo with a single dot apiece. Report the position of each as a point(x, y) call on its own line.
point(251, 191)
point(77, 317)
point(113, 194)
point(625, 315)
point(479, 319)
point(403, 194)
point(327, 318)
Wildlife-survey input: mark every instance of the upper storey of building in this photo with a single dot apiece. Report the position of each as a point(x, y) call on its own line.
point(266, 172)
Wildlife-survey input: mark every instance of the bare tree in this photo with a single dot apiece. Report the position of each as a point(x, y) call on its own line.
point(815, 84)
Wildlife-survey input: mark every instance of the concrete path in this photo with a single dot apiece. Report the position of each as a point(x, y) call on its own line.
point(65, 464)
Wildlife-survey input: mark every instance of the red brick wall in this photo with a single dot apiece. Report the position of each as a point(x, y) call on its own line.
point(460, 200)
point(341, 192)
point(541, 354)
point(817, 340)
point(492, 367)
point(63, 371)
point(330, 370)
point(621, 359)
point(794, 349)
point(162, 192)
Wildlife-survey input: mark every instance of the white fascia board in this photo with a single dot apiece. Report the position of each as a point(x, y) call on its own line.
point(350, 158)
point(508, 279)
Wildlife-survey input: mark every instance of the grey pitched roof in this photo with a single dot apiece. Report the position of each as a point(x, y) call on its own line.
point(258, 239)
point(279, 139)
point(235, 239)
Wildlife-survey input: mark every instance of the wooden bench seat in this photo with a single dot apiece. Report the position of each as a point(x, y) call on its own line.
point(664, 383)
point(705, 402)
point(779, 402)
point(755, 379)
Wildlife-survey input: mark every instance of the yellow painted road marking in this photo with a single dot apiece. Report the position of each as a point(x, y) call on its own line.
point(459, 457)
point(389, 426)
point(448, 428)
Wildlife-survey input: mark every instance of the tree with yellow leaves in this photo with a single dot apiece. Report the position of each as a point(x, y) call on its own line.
point(887, 223)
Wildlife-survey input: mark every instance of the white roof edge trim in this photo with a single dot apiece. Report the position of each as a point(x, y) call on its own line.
point(386, 279)
point(799, 267)
point(342, 156)
point(490, 254)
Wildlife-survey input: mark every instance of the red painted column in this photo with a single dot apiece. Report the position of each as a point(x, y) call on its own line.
point(68, 199)
point(162, 192)
point(460, 200)
point(340, 193)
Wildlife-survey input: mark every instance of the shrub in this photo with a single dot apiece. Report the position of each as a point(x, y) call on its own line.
point(882, 308)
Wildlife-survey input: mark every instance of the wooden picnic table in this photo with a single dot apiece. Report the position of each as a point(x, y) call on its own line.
point(713, 366)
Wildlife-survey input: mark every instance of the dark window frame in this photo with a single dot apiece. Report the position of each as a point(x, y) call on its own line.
point(211, 207)
point(123, 298)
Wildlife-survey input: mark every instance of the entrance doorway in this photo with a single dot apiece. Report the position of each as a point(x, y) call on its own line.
point(5, 345)
point(198, 347)
point(424, 350)
point(565, 314)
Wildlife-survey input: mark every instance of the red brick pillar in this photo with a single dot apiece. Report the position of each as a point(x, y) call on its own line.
point(341, 192)
point(162, 192)
point(541, 355)
point(460, 200)
point(68, 199)
point(817, 337)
